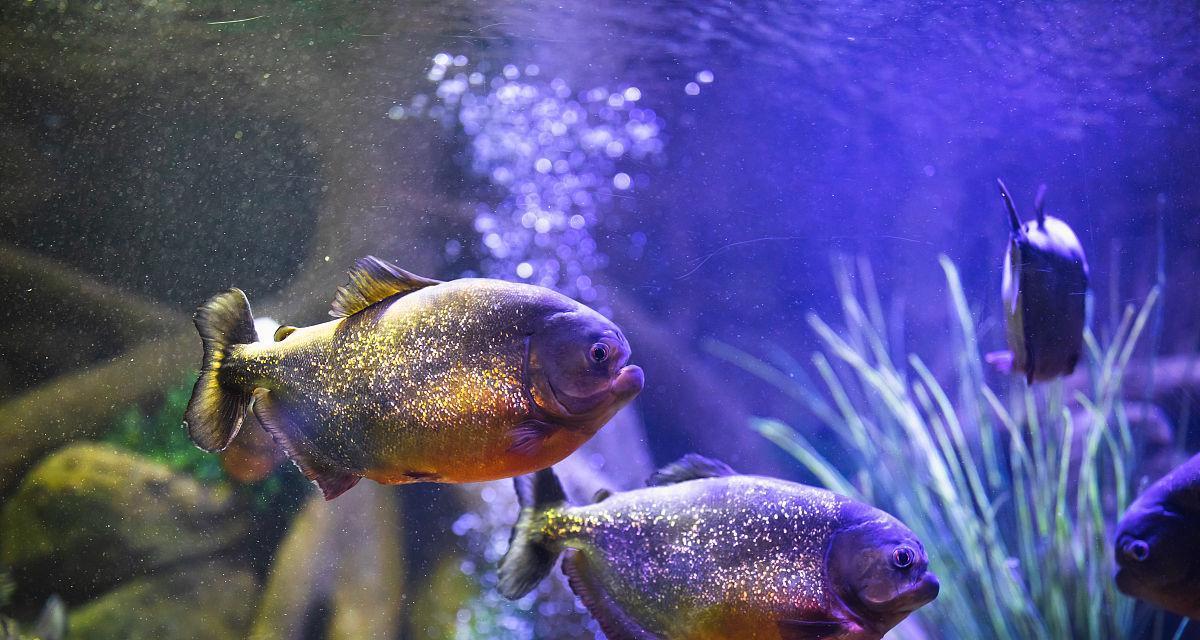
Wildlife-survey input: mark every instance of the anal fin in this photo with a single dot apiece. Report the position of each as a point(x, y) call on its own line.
point(332, 482)
point(616, 624)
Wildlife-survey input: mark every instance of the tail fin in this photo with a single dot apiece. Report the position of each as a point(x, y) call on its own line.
point(530, 555)
point(214, 414)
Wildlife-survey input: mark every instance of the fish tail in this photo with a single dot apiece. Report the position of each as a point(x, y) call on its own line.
point(531, 553)
point(215, 412)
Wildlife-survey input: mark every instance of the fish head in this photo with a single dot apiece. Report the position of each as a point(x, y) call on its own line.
point(880, 570)
point(578, 368)
point(1054, 239)
point(1155, 548)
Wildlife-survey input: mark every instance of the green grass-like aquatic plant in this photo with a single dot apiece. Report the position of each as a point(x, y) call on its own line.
point(1016, 519)
point(160, 436)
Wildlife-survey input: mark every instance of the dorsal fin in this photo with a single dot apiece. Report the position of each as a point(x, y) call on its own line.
point(601, 495)
point(372, 280)
point(1013, 218)
point(283, 331)
point(1039, 205)
point(690, 467)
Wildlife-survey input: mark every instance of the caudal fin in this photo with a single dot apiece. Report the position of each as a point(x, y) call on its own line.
point(530, 555)
point(214, 414)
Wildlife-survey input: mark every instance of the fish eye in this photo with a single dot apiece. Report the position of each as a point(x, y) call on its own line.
point(1137, 550)
point(903, 557)
point(599, 352)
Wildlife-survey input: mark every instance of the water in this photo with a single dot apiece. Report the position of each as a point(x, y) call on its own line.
point(738, 186)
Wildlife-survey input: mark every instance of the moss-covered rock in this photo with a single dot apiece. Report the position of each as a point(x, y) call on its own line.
point(202, 601)
point(91, 515)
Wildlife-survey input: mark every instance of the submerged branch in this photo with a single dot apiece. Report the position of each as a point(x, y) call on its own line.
point(84, 404)
point(44, 284)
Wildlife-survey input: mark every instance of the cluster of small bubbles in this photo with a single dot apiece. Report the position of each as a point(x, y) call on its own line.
point(558, 157)
point(702, 77)
point(484, 535)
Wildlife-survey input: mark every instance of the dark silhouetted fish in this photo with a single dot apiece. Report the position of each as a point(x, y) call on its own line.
point(416, 379)
point(1158, 543)
point(1045, 295)
point(704, 553)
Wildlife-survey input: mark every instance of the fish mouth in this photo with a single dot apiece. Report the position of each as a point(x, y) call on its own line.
point(1122, 579)
point(622, 388)
point(923, 593)
point(628, 382)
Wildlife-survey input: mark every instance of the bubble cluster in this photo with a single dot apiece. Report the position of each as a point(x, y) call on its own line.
point(546, 612)
point(557, 156)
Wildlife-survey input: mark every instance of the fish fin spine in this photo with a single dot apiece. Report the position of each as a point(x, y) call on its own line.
point(531, 554)
point(692, 466)
point(215, 411)
point(373, 280)
point(332, 482)
point(613, 621)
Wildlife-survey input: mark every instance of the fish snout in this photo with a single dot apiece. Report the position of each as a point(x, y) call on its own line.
point(628, 382)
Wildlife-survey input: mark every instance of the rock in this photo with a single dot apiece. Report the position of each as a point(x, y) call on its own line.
point(91, 515)
point(345, 558)
point(213, 600)
point(85, 403)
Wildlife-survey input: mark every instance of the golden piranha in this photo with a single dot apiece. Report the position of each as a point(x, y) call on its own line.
point(706, 554)
point(415, 380)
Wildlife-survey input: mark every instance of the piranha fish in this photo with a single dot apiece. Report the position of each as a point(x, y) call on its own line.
point(415, 380)
point(1158, 543)
point(1045, 295)
point(703, 553)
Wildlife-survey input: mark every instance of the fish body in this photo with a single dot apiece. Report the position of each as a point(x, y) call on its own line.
point(416, 380)
point(706, 554)
point(1157, 545)
point(1044, 290)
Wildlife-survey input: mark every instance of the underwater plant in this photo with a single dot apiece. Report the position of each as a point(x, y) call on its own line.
point(159, 437)
point(1015, 499)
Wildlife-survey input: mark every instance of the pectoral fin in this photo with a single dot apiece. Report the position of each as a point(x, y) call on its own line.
point(373, 280)
point(528, 436)
point(274, 418)
point(811, 629)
